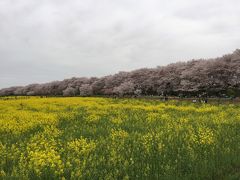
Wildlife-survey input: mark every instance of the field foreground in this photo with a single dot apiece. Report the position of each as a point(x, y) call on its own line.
point(100, 138)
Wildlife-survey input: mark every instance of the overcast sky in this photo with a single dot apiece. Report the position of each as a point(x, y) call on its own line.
point(47, 40)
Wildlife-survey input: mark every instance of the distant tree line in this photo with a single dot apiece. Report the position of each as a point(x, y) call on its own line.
point(212, 77)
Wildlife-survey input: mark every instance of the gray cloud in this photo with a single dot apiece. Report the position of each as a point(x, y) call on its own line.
point(49, 40)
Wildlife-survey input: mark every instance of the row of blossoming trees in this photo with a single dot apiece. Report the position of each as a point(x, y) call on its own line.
point(213, 77)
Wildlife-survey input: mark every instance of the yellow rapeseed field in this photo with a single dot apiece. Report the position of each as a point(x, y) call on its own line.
point(104, 138)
